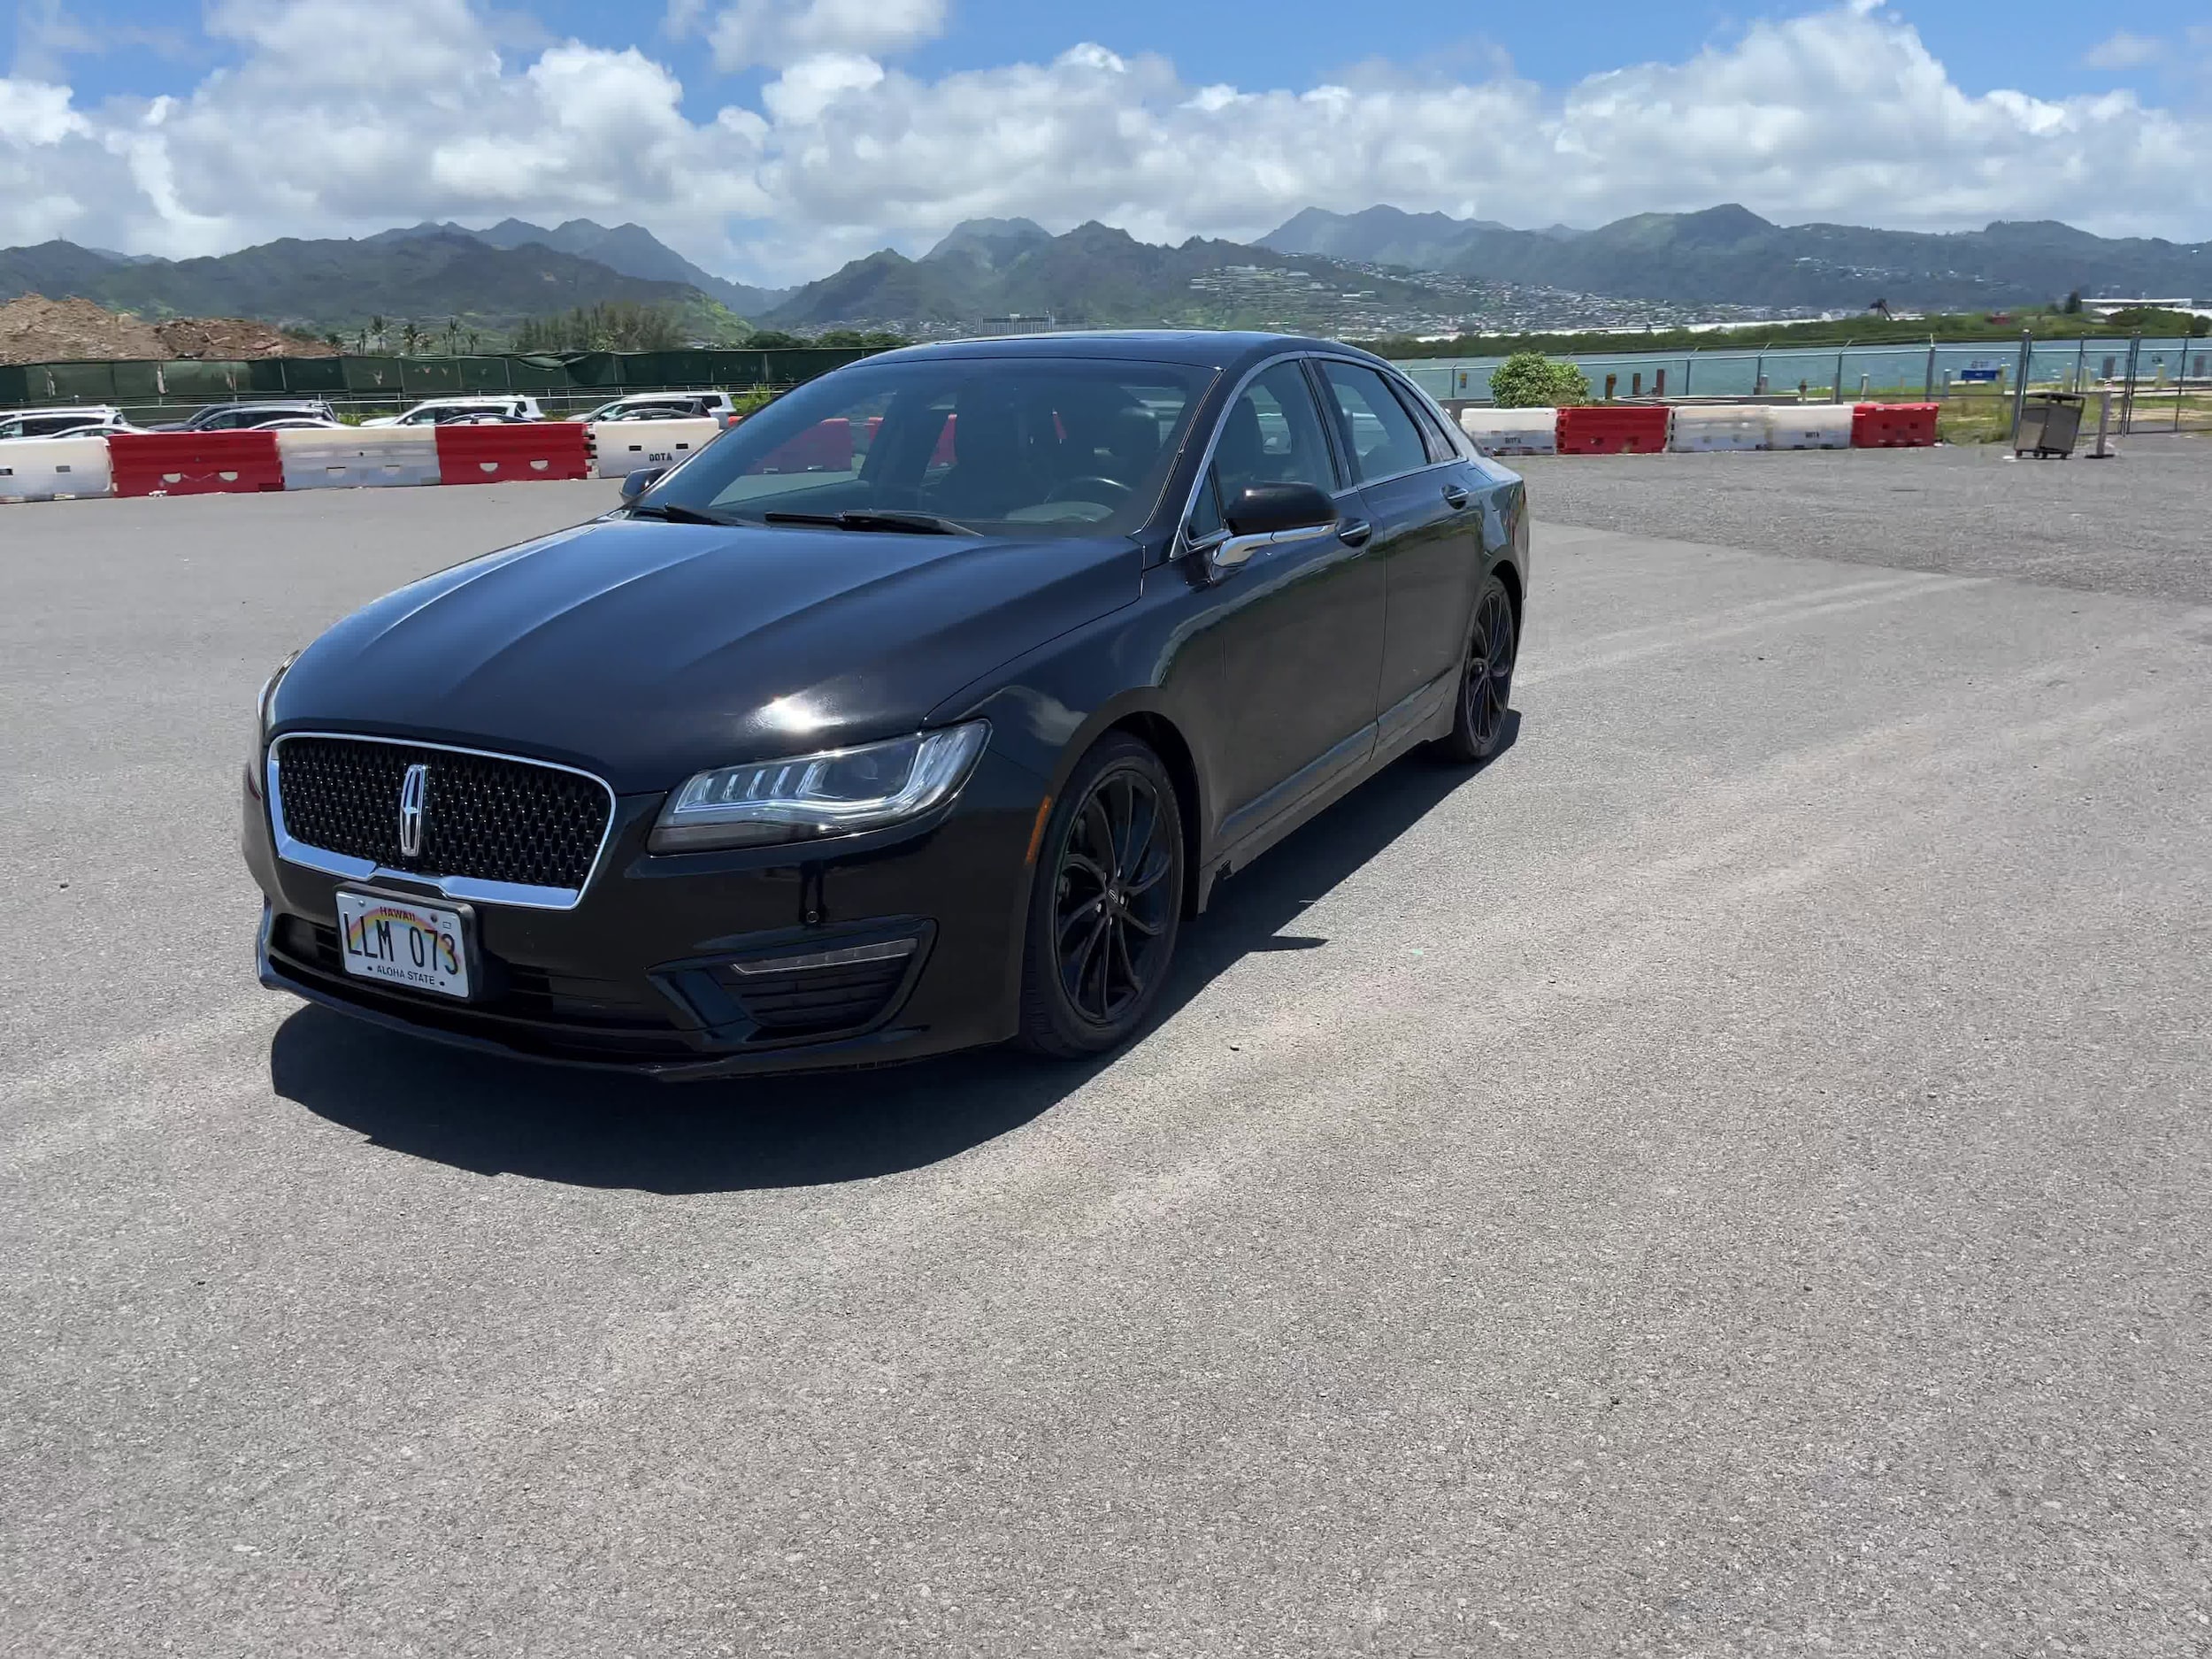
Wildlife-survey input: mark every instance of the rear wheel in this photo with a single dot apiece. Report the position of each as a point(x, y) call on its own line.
point(1485, 685)
point(1107, 906)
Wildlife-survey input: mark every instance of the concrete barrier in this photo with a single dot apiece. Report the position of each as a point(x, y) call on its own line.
point(1512, 431)
point(350, 458)
point(1703, 428)
point(54, 469)
point(1809, 426)
point(621, 447)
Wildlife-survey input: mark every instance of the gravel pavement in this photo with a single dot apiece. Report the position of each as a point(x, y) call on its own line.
point(2140, 523)
point(1728, 1179)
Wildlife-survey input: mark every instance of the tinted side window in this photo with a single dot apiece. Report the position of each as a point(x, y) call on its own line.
point(1374, 425)
point(1440, 447)
point(1272, 436)
point(1205, 511)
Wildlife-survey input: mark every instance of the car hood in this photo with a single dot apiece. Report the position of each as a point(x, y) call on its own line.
point(646, 651)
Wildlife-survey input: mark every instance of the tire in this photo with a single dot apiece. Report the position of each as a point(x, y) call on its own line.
point(1107, 904)
point(1485, 679)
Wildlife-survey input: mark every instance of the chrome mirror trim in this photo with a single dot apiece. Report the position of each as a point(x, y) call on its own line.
point(1233, 550)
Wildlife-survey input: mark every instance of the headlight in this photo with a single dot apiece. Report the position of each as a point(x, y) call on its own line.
point(841, 792)
point(262, 703)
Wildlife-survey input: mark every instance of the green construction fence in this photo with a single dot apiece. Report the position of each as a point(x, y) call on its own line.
point(209, 380)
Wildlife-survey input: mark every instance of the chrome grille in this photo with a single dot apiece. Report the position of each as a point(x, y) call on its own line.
point(485, 817)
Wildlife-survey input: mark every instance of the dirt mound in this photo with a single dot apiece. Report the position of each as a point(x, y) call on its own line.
point(234, 337)
point(34, 329)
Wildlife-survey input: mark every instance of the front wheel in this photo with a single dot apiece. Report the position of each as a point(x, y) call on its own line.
point(1108, 903)
point(1485, 685)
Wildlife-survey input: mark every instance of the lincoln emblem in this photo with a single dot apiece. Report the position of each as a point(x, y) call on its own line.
point(412, 789)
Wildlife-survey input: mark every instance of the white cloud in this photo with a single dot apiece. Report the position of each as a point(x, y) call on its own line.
point(745, 33)
point(346, 116)
point(2125, 51)
point(33, 112)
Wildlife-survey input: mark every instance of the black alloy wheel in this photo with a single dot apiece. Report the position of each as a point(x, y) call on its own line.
point(1107, 904)
point(1485, 690)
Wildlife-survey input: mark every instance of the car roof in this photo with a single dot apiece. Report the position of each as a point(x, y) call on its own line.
point(1200, 348)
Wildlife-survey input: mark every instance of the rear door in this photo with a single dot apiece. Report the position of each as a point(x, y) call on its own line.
point(1428, 534)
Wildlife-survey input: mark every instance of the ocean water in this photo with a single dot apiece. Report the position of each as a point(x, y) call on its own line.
point(1889, 368)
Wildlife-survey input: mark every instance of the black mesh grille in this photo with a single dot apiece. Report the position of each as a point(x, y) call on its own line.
point(491, 820)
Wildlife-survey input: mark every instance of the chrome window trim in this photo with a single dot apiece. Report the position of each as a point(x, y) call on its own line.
point(520, 894)
point(1183, 542)
point(1389, 374)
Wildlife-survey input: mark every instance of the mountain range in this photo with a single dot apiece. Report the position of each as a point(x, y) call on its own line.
point(428, 272)
point(629, 250)
point(1095, 276)
point(1729, 255)
point(1379, 270)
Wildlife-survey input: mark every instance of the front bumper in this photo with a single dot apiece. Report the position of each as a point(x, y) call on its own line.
point(643, 973)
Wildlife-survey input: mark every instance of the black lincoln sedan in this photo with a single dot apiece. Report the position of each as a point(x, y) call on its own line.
point(920, 711)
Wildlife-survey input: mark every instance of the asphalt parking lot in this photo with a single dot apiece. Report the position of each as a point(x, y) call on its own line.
point(1728, 1179)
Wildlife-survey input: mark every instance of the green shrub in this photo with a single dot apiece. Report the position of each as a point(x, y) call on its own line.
point(1529, 380)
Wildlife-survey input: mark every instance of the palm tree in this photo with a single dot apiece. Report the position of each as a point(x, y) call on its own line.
point(410, 338)
point(376, 327)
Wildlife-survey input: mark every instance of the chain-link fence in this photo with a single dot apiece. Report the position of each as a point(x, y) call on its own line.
point(2157, 384)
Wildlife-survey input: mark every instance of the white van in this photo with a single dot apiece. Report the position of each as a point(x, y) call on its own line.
point(490, 406)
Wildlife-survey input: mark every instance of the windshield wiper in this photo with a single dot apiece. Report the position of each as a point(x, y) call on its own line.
point(873, 519)
point(674, 513)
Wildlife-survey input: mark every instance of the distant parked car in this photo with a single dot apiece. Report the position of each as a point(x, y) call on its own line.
point(97, 429)
point(665, 406)
point(60, 423)
point(252, 416)
point(438, 411)
point(299, 423)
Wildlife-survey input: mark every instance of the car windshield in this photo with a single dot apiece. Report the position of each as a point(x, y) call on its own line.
point(1029, 446)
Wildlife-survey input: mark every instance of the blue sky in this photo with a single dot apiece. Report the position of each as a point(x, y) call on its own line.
point(2037, 46)
point(773, 138)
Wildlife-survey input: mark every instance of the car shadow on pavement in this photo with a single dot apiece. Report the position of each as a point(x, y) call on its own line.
point(496, 1115)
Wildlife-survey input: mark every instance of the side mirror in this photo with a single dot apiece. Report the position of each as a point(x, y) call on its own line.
point(1272, 509)
point(1265, 514)
point(635, 484)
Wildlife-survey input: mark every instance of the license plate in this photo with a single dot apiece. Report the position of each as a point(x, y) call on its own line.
point(424, 947)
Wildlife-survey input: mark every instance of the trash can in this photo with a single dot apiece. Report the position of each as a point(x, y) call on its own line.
point(2049, 424)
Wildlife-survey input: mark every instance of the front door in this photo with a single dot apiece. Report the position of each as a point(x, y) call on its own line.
point(1296, 639)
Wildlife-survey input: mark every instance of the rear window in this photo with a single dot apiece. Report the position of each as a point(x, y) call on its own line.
point(1001, 445)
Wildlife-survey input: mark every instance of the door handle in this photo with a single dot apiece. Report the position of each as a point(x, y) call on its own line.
point(1456, 496)
point(1355, 533)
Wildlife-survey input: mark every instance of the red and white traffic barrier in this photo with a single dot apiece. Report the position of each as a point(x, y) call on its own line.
point(1647, 428)
point(194, 462)
point(340, 458)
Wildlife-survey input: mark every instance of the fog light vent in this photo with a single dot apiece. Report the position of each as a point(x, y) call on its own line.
point(815, 993)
